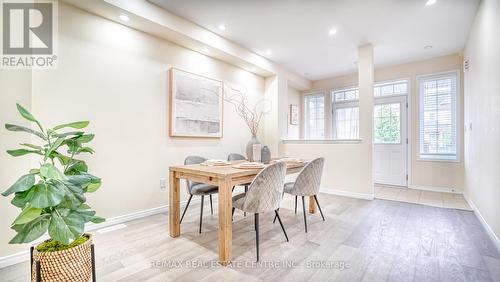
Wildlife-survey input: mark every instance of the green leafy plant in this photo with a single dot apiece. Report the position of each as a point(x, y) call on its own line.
point(52, 196)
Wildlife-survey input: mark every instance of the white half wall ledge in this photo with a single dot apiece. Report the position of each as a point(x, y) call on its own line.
point(345, 193)
point(321, 141)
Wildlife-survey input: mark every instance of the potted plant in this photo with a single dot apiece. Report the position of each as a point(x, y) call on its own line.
point(52, 199)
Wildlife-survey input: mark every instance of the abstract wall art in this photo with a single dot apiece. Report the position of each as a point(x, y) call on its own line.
point(196, 105)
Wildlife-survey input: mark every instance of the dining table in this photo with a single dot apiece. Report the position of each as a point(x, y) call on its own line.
point(225, 177)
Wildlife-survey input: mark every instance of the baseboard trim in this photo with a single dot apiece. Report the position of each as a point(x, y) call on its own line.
point(24, 255)
point(346, 194)
point(485, 224)
point(435, 189)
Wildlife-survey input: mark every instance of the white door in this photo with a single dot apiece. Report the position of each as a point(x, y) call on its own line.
point(390, 141)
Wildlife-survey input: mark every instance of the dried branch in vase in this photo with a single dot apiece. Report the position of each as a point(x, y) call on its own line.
point(251, 116)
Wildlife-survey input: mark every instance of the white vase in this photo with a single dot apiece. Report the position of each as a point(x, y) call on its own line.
point(253, 145)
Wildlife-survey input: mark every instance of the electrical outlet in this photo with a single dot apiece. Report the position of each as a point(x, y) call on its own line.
point(163, 183)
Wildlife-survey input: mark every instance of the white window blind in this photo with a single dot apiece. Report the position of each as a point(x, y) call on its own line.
point(345, 105)
point(315, 116)
point(438, 117)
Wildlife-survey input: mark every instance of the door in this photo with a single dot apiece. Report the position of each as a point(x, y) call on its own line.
point(390, 141)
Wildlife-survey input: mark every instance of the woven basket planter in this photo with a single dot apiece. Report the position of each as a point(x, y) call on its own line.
point(73, 265)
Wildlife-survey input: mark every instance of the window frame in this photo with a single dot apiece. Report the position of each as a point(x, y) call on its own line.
point(457, 114)
point(342, 105)
point(306, 113)
point(390, 98)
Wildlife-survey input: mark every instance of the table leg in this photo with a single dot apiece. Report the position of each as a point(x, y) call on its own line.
point(174, 205)
point(225, 223)
point(312, 205)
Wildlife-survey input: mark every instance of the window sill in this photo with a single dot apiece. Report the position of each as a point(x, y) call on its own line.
point(439, 160)
point(322, 141)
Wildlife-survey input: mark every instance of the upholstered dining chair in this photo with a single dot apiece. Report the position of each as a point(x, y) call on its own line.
point(264, 195)
point(237, 157)
point(307, 184)
point(198, 189)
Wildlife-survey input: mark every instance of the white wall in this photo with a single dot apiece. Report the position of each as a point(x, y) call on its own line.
point(116, 77)
point(482, 113)
point(15, 87)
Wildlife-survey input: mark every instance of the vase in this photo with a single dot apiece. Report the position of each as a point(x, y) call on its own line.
point(265, 155)
point(253, 149)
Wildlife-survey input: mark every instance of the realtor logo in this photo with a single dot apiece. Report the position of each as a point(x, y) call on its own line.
point(28, 34)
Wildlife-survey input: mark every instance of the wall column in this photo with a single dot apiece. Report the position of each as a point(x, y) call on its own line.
point(275, 122)
point(365, 82)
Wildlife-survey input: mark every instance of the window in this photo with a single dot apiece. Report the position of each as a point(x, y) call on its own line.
point(387, 111)
point(438, 117)
point(315, 116)
point(345, 113)
point(390, 89)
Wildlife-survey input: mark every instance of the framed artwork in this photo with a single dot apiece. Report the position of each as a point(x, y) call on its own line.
point(294, 114)
point(196, 105)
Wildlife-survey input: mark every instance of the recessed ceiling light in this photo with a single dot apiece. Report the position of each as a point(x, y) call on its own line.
point(204, 49)
point(269, 52)
point(253, 69)
point(430, 2)
point(428, 47)
point(124, 18)
point(221, 27)
point(332, 32)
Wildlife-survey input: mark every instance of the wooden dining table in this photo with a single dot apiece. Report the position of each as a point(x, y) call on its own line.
point(225, 177)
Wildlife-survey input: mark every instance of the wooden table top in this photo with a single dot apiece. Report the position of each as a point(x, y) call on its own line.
point(226, 170)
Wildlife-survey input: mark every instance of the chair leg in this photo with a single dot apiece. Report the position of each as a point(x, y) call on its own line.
point(257, 234)
point(304, 209)
point(232, 213)
point(201, 212)
point(211, 207)
point(187, 205)
point(281, 223)
point(282, 195)
point(317, 203)
point(246, 190)
point(295, 204)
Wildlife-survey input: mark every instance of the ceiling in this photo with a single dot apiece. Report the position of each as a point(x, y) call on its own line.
point(297, 31)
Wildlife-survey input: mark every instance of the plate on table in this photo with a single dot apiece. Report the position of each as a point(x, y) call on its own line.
point(290, 160)
point(215, 163)
point(249, 165)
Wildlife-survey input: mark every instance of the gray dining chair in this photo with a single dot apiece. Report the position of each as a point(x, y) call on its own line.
point(264, 195)
point(237, 157)
point(307, 183)
point(198, 189)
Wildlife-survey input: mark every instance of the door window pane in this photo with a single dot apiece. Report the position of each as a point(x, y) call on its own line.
point(387, 123)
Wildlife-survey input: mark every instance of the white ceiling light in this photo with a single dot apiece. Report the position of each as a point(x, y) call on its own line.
point(430, 2)
point(204, 49)
point(124, 18)
point(221, 27)
point(269, 52)
point(427, 47)
point(332, 32)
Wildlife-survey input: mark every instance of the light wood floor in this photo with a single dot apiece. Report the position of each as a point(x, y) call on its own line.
point(415, 196)
point(361, 240)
